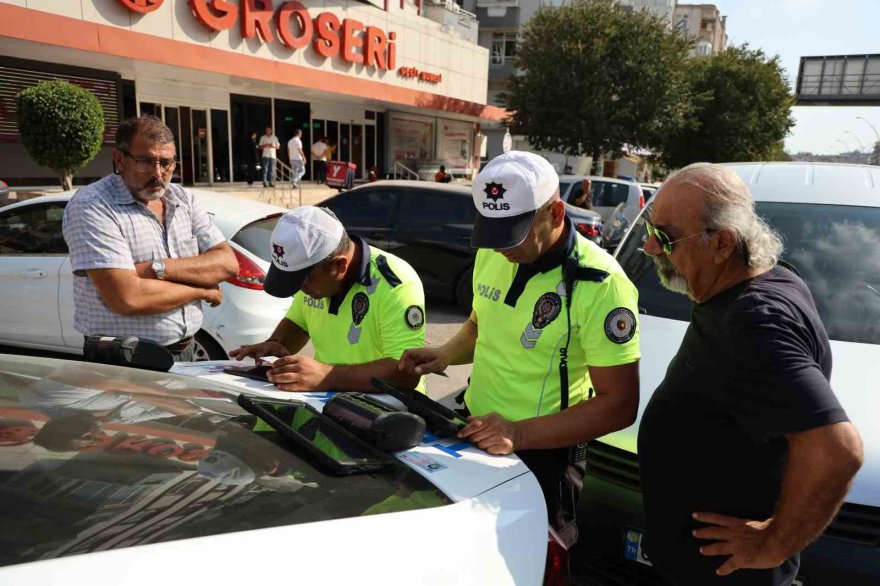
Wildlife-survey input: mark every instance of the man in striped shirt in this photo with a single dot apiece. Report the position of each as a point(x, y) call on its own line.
point(144, 253)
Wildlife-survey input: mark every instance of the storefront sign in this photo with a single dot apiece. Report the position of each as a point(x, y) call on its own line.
point(329, 37)
point(421, 75)
point(141, 6)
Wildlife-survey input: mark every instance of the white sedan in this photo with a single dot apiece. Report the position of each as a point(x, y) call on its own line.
point(36, 283)
point(112, 475)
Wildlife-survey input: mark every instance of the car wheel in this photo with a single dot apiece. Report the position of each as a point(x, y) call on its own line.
point(464, 291)
point(206, 348)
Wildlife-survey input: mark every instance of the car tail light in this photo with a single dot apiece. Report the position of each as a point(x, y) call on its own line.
point(641, 200)
point(588, 230)
point(556, 570)
point(250, 274)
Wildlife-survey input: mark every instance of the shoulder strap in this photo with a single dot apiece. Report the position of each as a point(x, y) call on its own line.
point(572, 271)
point(390, 276)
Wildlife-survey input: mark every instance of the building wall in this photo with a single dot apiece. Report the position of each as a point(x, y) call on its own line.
point(704, 23)
point(420, 43)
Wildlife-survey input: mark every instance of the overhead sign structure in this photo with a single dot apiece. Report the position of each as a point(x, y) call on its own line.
point(839, 80)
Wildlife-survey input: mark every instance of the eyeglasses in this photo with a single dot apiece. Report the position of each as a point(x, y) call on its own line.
point(147, 164)
point(663, 239)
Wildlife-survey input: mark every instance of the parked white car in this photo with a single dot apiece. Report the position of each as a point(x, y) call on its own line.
point(829, 218)
point(178, 486)
point(36, 282)
point(607, 194)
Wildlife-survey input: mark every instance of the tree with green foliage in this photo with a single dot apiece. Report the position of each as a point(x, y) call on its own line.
point(594, 77)
point(741, 110)
point(61, 125)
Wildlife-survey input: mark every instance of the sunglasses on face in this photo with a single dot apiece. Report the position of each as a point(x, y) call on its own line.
point(665, 242)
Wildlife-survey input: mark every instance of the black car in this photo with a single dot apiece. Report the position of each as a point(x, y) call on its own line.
point(429, 225)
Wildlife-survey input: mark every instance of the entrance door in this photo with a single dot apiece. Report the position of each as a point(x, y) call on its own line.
point(357, 147)
point(172, 120)
point(201, 155)
point(344, 142)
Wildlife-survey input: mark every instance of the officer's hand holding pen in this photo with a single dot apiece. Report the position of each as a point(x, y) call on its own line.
point(419, 361)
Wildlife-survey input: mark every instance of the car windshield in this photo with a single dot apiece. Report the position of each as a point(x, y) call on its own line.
point(563, 187)
point(255, 237)
point(834, 248)
point(95, 458)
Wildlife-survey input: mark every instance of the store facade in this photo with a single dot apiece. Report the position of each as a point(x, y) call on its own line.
point(386, 85)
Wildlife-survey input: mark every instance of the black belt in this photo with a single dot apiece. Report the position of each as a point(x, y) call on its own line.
point(178, 347)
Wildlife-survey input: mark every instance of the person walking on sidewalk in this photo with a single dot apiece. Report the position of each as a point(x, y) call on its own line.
point(319, 156)
point(270, 145)
point(297, 158)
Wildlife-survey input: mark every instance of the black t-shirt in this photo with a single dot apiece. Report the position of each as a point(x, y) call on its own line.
point(754, 364)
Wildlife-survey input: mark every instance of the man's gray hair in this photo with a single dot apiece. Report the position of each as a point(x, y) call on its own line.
point(153, 131)
point(729, 206)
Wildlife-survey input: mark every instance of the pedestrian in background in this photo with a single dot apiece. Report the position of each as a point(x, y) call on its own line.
point(442, 176)
point(585, 199)
point(297, 158)
point(252, 157)
point(744, 451)
point(319, 159)
point(144, 252)
point(269, 146)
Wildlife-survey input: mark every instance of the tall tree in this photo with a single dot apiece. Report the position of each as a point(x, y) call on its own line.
point(594, 76)
point(61, 125)
point(741, 110)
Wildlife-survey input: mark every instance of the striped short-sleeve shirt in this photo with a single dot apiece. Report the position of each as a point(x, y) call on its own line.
point(107, 228)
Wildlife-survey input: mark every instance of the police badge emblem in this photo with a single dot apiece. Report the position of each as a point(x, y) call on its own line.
point(414, 316)
point(546, 310)
point(360, 305)
point(620, 325)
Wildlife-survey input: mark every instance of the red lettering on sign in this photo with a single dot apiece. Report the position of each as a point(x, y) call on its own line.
point(329, 37)
point(164, 450)
point(392, 52)
point(283, 22)
point(374, 52)
point(327, 27)
point(204, 12)
point(351, 41)
point(255, 17)
point(141, 6)
point(192, 453)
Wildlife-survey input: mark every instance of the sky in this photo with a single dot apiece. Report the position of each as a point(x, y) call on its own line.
point(793, 29)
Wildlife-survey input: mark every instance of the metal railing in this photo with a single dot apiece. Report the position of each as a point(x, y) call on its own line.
point(282, 192)
point(401, 171)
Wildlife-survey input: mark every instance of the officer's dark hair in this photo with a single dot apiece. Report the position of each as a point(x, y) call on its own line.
point(150, 128)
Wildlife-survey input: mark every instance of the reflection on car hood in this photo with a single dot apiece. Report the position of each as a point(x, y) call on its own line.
point(95, 457)
point(854, 379)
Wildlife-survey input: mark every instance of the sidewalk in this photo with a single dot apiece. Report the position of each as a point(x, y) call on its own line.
point(309, 193)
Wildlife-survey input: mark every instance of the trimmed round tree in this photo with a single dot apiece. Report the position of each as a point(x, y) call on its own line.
point(61, 125)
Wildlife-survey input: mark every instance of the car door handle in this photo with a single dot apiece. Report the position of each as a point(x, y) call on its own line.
point(33, 274)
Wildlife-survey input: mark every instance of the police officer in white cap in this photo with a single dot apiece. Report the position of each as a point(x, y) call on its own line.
point(553, 334)
point(360, 306)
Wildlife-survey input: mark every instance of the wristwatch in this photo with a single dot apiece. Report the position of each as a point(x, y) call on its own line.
point(159, 268)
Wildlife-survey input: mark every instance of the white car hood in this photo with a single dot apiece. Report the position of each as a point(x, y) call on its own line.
point(855, 378)
point(454, 466)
